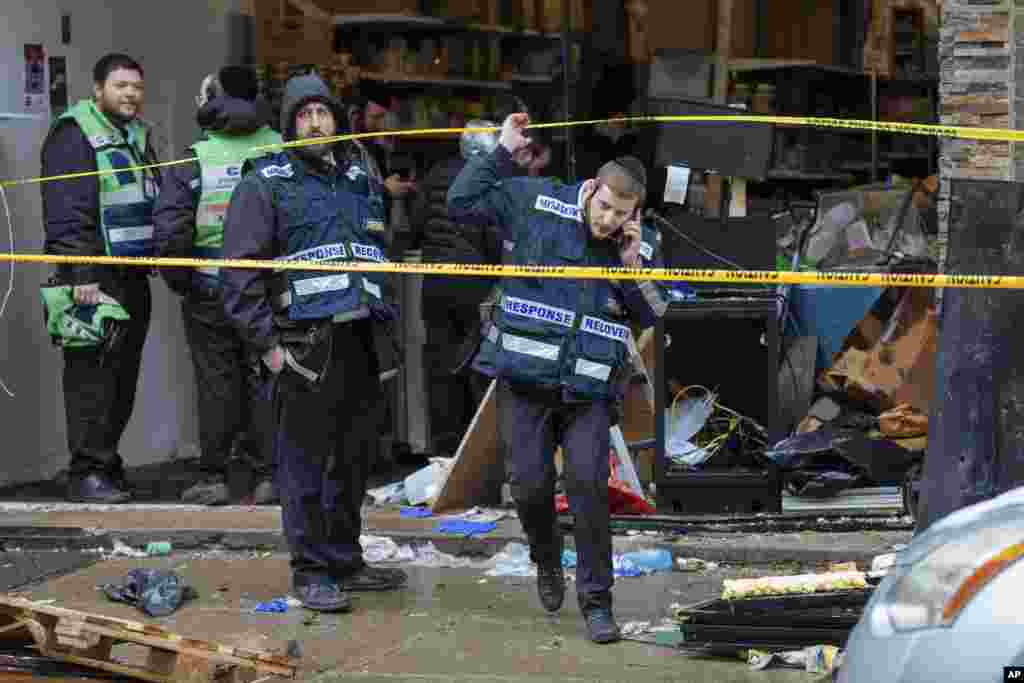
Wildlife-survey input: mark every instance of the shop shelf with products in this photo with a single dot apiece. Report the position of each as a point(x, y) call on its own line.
point(803, 88)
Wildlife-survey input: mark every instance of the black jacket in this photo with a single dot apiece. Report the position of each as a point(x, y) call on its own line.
point(71, 208)
point(174, 216)
point(442, 240)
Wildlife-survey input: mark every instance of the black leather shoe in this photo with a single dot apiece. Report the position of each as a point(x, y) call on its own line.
point(373, 579)
point(551, 586)
point(322, 595)
point(601, 626)
point(95, 488)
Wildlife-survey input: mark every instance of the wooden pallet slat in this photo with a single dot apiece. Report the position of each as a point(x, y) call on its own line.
point(87, 640)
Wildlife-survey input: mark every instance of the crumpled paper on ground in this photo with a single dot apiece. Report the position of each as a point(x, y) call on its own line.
point(817, 659)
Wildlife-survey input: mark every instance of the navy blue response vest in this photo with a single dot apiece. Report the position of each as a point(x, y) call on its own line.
point(319, 219)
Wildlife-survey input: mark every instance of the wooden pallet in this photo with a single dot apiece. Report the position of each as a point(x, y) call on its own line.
point(87, 639)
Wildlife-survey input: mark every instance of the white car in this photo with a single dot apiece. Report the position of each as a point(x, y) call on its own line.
point(951, 608)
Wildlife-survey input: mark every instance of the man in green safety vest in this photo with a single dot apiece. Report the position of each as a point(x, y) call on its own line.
point(96, 215)
point(234, 422)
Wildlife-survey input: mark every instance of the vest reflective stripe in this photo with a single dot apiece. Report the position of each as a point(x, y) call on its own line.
point(319, 285)
point(126, 196)
point(530, 347)
point(221, 158)
point(598, 371)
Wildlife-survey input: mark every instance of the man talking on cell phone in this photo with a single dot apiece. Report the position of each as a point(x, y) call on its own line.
point(558, 348)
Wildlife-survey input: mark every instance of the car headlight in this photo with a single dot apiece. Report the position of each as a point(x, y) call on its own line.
point(933, 590)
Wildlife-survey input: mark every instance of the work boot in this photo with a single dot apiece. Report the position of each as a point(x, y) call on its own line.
point(265, 494)
point(601, 626)
point(551, 586)
point(321, 594)
point(373, 579)
point(211, 490)
point(95, 488)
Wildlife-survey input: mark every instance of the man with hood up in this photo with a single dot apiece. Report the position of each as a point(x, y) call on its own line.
point(189, 222)
point(314, 334)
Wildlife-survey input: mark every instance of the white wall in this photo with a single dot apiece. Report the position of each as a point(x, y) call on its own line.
point(177, 44)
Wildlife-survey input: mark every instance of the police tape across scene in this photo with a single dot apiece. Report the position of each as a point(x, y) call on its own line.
point(961, 132)
point(706, 275)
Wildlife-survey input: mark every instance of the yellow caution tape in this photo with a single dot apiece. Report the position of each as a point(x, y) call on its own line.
point(839, 279)
point(735, 277)
point(965, 133)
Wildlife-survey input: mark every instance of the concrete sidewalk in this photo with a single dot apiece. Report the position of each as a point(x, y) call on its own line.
point(445, 625)
point(61, 525)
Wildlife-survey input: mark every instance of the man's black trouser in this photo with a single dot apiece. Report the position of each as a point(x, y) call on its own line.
point(233, 419)
point(531, 425)
point(326, 441)
point(99, 387)
point(453, 397)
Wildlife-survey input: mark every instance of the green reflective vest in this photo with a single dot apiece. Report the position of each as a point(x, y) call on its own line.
point(220, 163)
point(127, 194)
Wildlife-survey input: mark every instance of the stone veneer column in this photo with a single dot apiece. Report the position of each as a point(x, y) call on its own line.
point(978, 72)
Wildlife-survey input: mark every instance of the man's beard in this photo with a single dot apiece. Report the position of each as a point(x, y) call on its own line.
point(317, 150)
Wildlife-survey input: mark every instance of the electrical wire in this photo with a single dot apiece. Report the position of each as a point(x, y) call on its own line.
point(10, 280)
point(651, 213)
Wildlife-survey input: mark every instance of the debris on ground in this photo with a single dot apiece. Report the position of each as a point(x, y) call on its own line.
point(155, 592)
point(71, 636)
point(122, 549)
point(466, 529)
point(415, 513)
point(275, 606)
point(817, 659)
point(158, 548)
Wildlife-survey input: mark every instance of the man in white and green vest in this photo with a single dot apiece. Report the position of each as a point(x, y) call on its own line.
point(235, 424)
point(96, 215)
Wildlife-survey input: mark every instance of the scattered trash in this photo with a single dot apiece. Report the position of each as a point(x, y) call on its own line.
point(415, 513)
point(569, 559)
point(683, 421)
point(293, 602)
point(391, 494)
point(158, 548)
point(155, 592)
point(294, 650)
point(423, 485)
point(378, 548)
point(478, 514)
point(642, 562)
point(463, 528)
point(514, 560)
point(275, 606)
point(817, 659)
point(881, 564)
point(122, 549)
point(635, 628)
point(691, 564)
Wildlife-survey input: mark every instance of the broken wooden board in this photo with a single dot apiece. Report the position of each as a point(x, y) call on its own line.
point(87, 640)
point(477, 452)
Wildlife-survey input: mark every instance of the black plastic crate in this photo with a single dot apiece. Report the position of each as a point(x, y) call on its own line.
point(774, 623)
point(710, 490)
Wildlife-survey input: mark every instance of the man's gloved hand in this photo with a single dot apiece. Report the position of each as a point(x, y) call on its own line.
point(513, 133)
point(88, 295)
point(274, 359)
